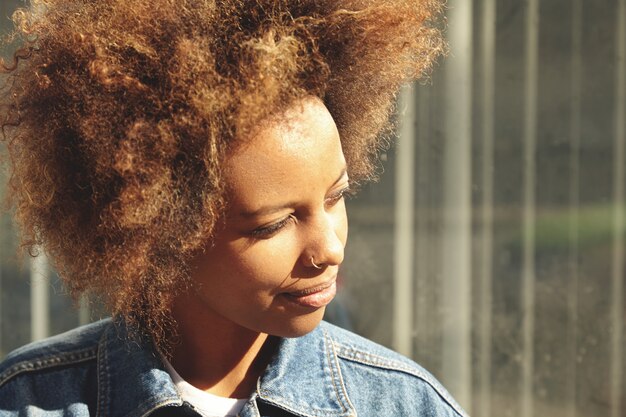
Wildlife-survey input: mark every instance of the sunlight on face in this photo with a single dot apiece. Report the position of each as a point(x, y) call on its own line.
point(286, 210)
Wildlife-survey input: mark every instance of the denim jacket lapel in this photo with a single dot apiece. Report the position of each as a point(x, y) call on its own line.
point(304, 378)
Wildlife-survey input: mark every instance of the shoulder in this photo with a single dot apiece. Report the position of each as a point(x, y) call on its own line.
point(77, 345)
point(370, 366)
point(356, 348)
point(56, 363)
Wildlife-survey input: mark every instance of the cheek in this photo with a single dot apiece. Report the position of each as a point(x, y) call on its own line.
point(266, 262)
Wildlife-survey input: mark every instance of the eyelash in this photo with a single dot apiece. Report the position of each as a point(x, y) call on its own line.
point(268, 231)
point(265, 232)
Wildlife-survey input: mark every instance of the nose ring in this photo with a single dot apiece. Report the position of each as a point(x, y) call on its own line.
point(316, 266)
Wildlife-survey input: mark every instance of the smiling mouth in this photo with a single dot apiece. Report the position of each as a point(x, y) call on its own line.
point(315, 297)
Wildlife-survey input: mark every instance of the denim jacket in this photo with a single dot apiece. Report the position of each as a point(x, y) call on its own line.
point(96, 371)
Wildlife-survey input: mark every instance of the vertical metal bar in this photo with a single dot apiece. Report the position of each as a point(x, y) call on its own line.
point(39, 297)
point(1, 306)
point(488, 47)
point(457, 228)
point(404, 231)
point(528, 220)
point(619, 206)
point(84, 311)
point(3, 229)
point(424, 291)
point(574, 202)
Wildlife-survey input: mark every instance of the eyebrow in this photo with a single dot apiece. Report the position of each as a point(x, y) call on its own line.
point(272, 209)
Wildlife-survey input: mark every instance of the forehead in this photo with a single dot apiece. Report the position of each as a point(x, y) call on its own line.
point(298, 149)
point(295, 129)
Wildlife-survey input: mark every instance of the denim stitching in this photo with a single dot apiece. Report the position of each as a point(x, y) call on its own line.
point(343, 386)
point(265, 395)
point(102, 377)
point(288, 408)
point(149, 411)
point(331, 344)
point(299, 412)
point(254, 402)
point(354, 355)
point(48, 362)
point(332, 371)
point(379, 361)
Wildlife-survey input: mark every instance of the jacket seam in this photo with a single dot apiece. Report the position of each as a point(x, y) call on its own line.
point(101, 367)
point(338, 376)
point(332, 373)
point(254, 398)
point(348, 353)
point(295, 411)
point(266, 396)
point(48, 362)
point(377, 361)
point(149, 410)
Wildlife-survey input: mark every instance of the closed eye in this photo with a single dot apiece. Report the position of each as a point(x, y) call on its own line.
point(268, 231)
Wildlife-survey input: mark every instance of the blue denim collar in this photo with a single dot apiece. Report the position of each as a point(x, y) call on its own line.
point(132, 380)
point(303, 377)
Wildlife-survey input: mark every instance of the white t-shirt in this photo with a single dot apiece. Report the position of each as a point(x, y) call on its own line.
point(208, 405)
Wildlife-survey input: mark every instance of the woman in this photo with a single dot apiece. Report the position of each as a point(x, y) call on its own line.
point(186, 163)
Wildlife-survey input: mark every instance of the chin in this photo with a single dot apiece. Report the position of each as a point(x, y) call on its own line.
point(297, 326)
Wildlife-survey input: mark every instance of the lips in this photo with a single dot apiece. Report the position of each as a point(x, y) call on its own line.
point(315, 297)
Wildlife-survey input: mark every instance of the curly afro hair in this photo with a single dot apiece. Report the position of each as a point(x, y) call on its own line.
point(117, 115)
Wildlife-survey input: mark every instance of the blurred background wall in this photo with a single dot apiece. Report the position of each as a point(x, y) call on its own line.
point(492, 249)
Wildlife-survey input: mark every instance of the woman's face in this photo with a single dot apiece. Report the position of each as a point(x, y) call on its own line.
point(286, 214)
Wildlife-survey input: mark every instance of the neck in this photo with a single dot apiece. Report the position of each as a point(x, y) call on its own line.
point(217, 355)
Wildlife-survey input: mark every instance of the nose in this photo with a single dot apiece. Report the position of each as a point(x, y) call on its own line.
point(326, 241)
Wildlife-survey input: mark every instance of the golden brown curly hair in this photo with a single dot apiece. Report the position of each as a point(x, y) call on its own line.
point(118, 113)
